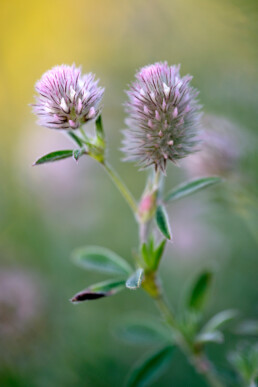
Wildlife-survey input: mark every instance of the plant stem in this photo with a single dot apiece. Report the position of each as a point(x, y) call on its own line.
point(121, 186)
point(199, 361)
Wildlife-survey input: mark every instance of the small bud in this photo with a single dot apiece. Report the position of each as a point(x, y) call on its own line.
point(91, 113)
point(157, 116)
point(152, 95)
point(150, 124)
point(64, 106)
point(73, 124)
point(145, 109)
point(72, 93)
point(175, 112)
point(79, 106)
point(166, 89)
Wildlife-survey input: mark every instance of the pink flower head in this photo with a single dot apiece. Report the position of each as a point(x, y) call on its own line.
point(66, 98)
point(163, 116)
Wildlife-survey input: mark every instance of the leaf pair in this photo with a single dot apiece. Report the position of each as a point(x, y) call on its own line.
point(196, 301)
point(151, 254)
point(105, 261)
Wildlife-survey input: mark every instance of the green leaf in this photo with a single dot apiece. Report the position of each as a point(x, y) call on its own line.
point(102, 260)
point(55, 156)
point(219, 319)
point(135, 280)
point(158, 254)
point(99, 127)
point(149, 369)
point(163, 222)
point(248, 327)
point(102, 289)
point(76, 139)
point(143, 331)
point(191, 187)
point(200, 290)
point(210, 337)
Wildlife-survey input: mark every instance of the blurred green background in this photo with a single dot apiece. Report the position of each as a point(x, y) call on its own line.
point(47, 211)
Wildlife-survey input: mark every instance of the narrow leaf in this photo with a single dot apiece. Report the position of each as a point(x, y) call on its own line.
point(76, 138)
point(149, 370)
point(219, 319)
point(134, 282)
point(99, 127)
point(191, 187)
point(200, 290)
point(143, 331)
point(54, 156)
point(102, 260)
point(163, 222)
point(145, 253)
point(248, 327)
point(158, 254)
point(102, 289)
point(210, 337)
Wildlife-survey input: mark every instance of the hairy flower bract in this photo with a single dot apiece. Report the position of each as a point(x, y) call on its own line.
point(66, 99)
point(163, 117)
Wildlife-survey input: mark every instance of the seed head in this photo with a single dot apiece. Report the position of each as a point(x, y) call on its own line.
point(66, 99)
point(163, 117)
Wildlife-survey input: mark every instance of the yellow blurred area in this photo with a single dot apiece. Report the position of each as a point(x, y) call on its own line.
point(111, 38)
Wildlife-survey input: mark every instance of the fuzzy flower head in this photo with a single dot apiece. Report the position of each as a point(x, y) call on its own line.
point(66, 98)
point(163, 117)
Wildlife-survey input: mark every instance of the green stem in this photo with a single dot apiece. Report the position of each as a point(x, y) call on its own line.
point(199, 361)
point(121, 186)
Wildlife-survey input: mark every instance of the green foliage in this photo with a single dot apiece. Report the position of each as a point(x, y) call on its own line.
point(200, 290)
point(219, 319)
point(135, 280)
point(209, 337)
point(99, 128)
point(144, 331)
point(163, 222)
point(245, 362)
point(248, 327)
point(76, 138)
point(151, 254)
point(191, 187)
point(102, 260)
point(149, 369)
point(102, 289)
point(57, 155)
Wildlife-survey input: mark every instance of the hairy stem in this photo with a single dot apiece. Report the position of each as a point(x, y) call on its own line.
point(121, 186)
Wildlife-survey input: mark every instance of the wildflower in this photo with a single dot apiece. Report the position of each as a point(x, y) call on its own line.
point(66, 98)
point(163, 117)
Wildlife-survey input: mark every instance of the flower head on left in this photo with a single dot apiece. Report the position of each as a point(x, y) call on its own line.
point(67, 99)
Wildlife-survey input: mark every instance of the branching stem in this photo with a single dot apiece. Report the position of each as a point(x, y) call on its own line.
point(121, 186)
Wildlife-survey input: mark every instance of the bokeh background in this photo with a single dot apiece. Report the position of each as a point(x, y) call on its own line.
point(47, 211)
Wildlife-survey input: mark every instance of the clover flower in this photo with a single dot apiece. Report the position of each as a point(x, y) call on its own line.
point(163, 117)
point(66, 98)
